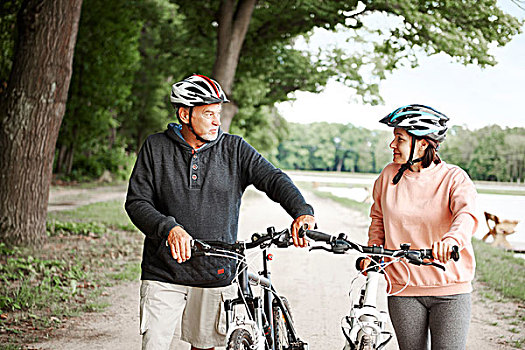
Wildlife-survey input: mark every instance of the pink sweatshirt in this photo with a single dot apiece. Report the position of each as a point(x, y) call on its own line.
point(432, 205)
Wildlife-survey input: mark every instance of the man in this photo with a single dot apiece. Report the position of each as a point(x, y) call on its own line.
point(187, 183)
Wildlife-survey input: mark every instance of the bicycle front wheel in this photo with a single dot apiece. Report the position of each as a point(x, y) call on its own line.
point(240, 339)
point(281, 334)
point(366, 343)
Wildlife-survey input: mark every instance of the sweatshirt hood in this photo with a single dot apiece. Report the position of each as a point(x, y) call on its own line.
point(173, 131)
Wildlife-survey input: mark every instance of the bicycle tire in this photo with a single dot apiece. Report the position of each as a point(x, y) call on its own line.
point(366, 343)
point(281, 336)
point(240, 339)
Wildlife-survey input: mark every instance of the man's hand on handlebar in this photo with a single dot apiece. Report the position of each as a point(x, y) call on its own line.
point(179, 242)
point(297, 224)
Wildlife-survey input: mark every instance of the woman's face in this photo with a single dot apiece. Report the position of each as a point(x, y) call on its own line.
point(401, 146)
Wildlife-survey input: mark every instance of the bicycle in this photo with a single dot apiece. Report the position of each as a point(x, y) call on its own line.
point(366, 324)
point(266, 323)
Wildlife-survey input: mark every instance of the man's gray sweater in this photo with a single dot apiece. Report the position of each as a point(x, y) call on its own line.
point(172, 184)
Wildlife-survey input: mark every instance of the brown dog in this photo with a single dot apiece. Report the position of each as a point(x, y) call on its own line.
point(499, 230)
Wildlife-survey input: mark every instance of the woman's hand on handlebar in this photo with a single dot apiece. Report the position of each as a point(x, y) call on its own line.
point(442, 251)
point(297, 224)
point(362, 264)
point(179, 242)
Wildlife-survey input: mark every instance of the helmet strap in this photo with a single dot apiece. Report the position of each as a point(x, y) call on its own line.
point(408, 164)
point(191, 127)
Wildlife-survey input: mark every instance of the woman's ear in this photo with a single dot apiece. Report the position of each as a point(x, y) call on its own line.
point(423, 144)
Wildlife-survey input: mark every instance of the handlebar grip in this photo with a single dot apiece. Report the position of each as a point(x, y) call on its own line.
point(302, 230)
point(427, 254)
point(318, 236)
point(455, 253)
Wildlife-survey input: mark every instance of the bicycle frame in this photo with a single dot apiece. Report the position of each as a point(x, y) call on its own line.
point(365, 320)
point(367, 323)
point(260, 309)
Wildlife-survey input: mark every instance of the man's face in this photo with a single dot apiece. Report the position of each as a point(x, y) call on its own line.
point(206, 121)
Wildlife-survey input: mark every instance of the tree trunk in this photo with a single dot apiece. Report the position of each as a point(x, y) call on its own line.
point(234, 19)
point(229, 110)
point(339, 164)
point(31, 111)
point(69, 159)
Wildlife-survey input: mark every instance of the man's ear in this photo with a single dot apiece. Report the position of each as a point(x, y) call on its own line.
point(184, 115)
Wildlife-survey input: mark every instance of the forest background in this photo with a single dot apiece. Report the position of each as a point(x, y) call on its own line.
point(128, 53)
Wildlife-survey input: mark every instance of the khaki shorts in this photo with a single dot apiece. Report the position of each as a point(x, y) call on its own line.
point(164, 305)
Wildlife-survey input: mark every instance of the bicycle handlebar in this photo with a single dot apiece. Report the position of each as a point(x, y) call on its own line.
point(282, 239)
point(315, 235)
point(339, 245)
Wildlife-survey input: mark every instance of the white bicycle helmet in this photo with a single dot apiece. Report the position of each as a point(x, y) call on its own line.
point(419, 120)
point(196, 90)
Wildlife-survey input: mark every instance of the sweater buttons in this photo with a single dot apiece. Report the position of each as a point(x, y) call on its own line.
point(195, 156)
point(195, 167)
point(194, 177)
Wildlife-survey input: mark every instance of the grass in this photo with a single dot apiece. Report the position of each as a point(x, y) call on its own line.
point(88, 249)
point(90, 184)
point(504, 192)
point(130, 272)
point(109, 213)
point(500, 270)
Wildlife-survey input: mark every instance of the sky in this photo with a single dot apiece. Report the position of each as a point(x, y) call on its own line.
point(469, 95)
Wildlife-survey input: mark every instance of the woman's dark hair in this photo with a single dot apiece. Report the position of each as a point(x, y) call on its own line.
point(430, 153)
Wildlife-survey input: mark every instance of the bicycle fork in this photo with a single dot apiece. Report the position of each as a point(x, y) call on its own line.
point(255, 321)
point(366, 322)
point(254, 324)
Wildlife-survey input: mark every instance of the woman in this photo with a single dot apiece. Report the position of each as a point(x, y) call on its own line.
point(421, 200)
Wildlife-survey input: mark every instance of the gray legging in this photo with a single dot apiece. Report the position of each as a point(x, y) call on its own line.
point(447, 318)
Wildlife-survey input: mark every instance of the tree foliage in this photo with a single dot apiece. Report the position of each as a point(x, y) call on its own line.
point(490, 153)
point(463, 30)
point(178, 38)
point(160, 65)
point(130, 52)
point(8, 12)
point(105, 61)
point(334, 147)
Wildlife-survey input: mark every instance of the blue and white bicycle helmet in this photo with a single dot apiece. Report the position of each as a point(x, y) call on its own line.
point(419, 120)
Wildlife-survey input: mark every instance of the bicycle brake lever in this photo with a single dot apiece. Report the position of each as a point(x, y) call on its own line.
point(200, 247)
point(431, 263)
point(439, 266)
point(320, 247)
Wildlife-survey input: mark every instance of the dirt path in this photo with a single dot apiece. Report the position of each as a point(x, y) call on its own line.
point(64, 198)
point(315, 283)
